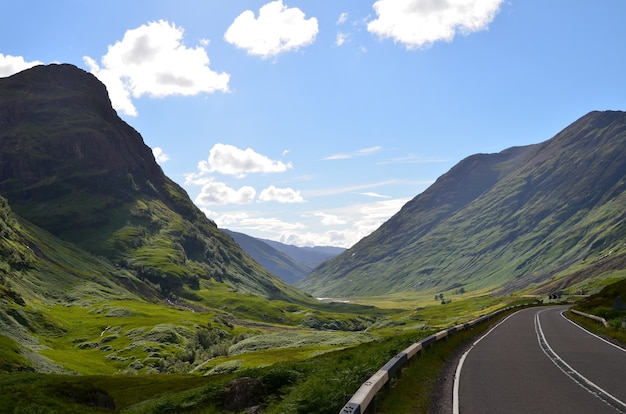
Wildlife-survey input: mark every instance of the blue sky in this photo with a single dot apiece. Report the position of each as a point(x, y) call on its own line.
point(313, 122)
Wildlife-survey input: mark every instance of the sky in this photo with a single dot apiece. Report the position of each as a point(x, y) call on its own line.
point(313, 122)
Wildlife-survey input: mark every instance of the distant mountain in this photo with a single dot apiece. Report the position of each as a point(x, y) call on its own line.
point(276, 262)
point(290, 263)
point(311, 257)
point(71, 166)
point(501, 222)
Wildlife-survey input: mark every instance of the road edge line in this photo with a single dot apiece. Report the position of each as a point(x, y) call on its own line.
point(459, 367)
point(574, 375)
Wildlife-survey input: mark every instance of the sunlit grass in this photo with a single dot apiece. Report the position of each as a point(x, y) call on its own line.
point(95, 333)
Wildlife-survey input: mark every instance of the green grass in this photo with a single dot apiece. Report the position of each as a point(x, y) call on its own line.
point(601, 304)
point(107, 338)
point(304, 370)
point(39, 393)
point(11, 356)
point(316, 384)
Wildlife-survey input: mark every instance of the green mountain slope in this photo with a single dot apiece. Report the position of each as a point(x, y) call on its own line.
point(499, 222)
point(70, 165)
point(38, 271)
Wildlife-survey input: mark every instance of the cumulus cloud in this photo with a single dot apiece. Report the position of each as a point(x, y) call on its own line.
point(159, 155)
point(230, 160)
point(152, 60)
point(330, 219)
point(249, 222)
point(343, 17)
point(10, 65)
point(281, 195)
point(420, 23)
point(277, 29)
point(217, 193)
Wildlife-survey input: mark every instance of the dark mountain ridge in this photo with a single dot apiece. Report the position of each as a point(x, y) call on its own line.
point(498, 221)
point(82, 130)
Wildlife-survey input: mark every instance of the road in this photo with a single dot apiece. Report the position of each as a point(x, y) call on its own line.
point(537, 361)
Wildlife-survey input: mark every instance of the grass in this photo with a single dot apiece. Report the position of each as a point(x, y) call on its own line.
point(37, 393)
point(317, 384)
point(305, 371)
point(11, 357)
point(107, 338)
point(601, 304)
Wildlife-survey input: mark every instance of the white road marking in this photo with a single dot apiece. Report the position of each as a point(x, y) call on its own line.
point(457, 374)
point(574, 375)
point(591, 333)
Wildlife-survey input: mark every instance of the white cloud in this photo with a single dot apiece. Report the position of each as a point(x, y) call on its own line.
point(159, 155)
point(10, 65)
point(228, 159)
point(376, 195)
point(341, 39)
point(217, 193)
point(152, 60)
point(347, 225)
point(343, 17)
point(329, 191)
point(277, 29)
point(357, 153)
point(329, 238)
point(249, 223)
point(420, 23)
point(330, 219)
point(281, 195)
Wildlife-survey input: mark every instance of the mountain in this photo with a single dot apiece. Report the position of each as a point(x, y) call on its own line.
point(71, 166)
point(311, 257)
point(500, 222)
point(290, 263)
point(38, 271)
point(276, 262)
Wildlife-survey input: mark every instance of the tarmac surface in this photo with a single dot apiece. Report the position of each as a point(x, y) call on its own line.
point(537, 361)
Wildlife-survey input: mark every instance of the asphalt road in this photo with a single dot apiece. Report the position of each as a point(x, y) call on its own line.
point(537, 361)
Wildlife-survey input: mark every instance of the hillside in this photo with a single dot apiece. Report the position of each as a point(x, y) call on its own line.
point(107, 267)
point(38, 271)
point(290, 263)
point(499, 222)
point(70, 165)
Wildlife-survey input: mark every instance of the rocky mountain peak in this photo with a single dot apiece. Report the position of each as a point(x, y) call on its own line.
point(56, 123)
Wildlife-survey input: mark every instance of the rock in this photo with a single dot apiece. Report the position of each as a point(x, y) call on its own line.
point(244, 394)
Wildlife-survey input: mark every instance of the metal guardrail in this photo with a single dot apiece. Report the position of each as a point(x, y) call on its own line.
point(590, 316)
point(360, 401)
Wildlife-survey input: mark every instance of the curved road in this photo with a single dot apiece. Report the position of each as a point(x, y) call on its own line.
point(537, 361)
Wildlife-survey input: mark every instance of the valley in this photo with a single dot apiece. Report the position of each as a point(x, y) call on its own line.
point(118, 294)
